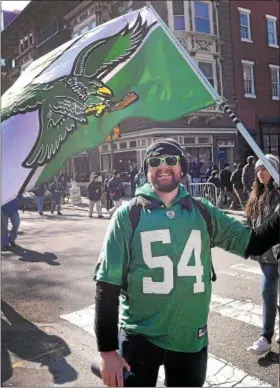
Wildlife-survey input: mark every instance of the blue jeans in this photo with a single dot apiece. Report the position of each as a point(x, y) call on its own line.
point(39, 203)
point(269, 289)
point(15, 220)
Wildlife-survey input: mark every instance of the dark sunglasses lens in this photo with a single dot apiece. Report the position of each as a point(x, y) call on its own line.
point(171, 160)
point(154, 162)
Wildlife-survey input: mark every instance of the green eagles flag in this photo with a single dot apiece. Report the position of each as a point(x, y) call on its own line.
point(69, 100)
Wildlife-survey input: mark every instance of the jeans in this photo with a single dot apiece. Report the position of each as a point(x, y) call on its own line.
point(269, 289)
point(117, 204)
point(144, 359)
point(55, 204)
point(39, 203)
point(15, 221)
point(91, 207)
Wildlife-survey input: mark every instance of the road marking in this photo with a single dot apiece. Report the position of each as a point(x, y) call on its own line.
point(247, 268)
point(219, 371)
point(244, 311)
point(224, 374)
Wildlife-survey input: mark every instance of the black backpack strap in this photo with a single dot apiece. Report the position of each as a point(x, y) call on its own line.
point(207, 217)
point(134, 213)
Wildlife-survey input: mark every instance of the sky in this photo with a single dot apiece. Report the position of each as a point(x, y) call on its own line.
point(13, 5)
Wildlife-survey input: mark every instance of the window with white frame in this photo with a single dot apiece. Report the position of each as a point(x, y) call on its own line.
point(275, 82)
point(178, 15)
point(271, 30)
point(245, 27)
point(248, 79)
point(202, 17)
point(207, 70)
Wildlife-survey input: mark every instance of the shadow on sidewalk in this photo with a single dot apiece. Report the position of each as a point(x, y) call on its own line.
point(28, 342)
point(35, 257)
point(269, 359)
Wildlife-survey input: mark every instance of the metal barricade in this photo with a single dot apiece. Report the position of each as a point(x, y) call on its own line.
point(205, 190)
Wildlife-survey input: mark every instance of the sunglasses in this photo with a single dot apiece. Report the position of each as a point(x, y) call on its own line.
point(171, 161)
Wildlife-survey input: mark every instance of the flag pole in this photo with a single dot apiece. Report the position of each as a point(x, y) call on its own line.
point(219, 100)
point(251, 142)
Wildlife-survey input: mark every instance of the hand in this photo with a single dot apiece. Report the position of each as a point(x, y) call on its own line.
point(111, 368)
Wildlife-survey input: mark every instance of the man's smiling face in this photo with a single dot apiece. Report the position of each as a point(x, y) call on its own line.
point(165, 177)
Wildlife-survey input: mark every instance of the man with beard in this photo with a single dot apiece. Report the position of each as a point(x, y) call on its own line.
point(162, 271)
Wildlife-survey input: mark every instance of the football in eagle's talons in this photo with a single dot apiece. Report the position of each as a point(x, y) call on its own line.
point(128, 99)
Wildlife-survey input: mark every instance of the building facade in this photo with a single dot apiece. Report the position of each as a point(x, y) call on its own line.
point(255, 47)
point(37, 30)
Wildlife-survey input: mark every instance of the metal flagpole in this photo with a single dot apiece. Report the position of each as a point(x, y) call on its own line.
point(251, 142)
point(217, 98)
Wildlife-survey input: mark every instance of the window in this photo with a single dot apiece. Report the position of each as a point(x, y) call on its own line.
point(245, 28)
point(47, 32)
point(178, 15)
point(207, 70)
point(132, 144)
point(248, 79)
point(189, 140)
point(271, 31)
point(123, 146)
point(201, 17)
point(275, 82)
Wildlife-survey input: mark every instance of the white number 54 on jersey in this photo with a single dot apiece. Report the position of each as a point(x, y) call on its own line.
point(164, 262)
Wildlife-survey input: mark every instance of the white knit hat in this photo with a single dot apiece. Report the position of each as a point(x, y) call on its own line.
point(273, 160)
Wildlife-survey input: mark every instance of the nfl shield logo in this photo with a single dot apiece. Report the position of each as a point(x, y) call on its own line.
point(170, 214)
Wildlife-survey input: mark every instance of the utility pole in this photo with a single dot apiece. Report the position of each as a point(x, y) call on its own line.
point(112, 150)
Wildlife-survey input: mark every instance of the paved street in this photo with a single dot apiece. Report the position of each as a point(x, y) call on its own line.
point(48, 308)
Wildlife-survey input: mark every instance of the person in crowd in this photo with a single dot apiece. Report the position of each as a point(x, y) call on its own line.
point(236, 180)
point(264, 200)
point(39, 192)
point(140, 179)
point(109, 202)
point(214, 178)
point(56, 192)
point(162, 271)
point(115, 188)
point(248, 176)
point(226, 191)
point(9, 211)
point(94, 191)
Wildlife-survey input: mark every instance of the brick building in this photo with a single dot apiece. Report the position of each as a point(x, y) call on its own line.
point(255, 48)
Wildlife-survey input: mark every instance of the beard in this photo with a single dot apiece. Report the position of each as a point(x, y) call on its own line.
point(165, 187)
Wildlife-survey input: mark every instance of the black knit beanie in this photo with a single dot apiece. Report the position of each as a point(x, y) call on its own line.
point(165, 147)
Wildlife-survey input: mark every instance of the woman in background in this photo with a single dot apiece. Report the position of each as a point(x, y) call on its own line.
point(263, 201)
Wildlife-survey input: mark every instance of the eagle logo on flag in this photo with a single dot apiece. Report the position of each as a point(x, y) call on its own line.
point(69, 100)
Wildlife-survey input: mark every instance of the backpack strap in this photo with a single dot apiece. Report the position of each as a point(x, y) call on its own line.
point(197, 203)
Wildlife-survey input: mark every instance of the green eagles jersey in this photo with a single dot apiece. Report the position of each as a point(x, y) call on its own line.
point(165, 269)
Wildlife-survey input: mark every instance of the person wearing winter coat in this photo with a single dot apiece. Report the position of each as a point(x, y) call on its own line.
point(56, 190)
point(140, 179)
point(263, 202)
point(248, 176)
point(94, 190)
point(226, 191)
point(236, 180)
point(115, 188)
